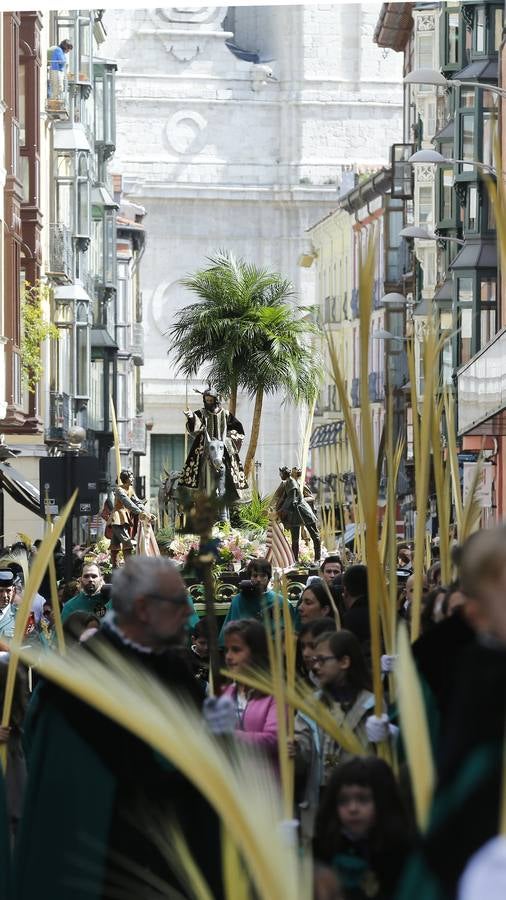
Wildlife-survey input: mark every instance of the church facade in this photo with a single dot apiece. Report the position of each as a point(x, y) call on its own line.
point(235, 128)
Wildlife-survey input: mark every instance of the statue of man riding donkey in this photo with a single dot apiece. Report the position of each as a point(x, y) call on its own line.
point(212, 465)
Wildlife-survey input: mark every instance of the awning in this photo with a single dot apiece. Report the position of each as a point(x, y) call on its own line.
point(445, 292)
point(325, 435)
point(21, 490)
point(447, 133)
point(476, 255)
point(101, 338)
point(481, 390)
point(480, 70)
point(70, 137)
point(100, 196)
point(64, 292)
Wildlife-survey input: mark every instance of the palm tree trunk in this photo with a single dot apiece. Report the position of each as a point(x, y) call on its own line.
point(232, 404)
point(255, 431)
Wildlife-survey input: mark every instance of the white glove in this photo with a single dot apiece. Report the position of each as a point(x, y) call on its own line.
point(388, 663)
point(220, 715)
point(379, 729)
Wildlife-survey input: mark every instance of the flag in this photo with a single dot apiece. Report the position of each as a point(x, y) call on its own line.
point(279, 552)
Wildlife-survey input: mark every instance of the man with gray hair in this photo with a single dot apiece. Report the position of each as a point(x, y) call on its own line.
point(109, 782)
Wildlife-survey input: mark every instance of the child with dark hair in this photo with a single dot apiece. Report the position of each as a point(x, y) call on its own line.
point(362, 829)
point(200, 649)
point(256, 716)
point(254, 600)
point(306, 643)
point(339, 667)
point(315, 602)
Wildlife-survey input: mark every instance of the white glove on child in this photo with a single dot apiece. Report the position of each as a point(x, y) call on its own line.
point(388, 663)
point(379, 729)
point(220, 715)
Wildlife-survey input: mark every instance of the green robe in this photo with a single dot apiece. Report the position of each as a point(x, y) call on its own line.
point(94, 790)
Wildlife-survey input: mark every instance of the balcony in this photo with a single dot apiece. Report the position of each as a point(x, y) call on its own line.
point(355, 392)
point(61, 254)
point(137, 345)
point(60, 417)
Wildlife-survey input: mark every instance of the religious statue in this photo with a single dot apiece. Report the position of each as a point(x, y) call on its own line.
point(213, 465)
point(124, 517)
point(292, 506)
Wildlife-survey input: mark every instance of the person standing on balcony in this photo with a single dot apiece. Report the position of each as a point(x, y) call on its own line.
point(57, 68)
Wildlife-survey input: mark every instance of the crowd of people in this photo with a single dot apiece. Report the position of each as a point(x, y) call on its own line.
point(72, 773)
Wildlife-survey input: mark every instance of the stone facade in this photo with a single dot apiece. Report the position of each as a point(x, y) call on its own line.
point(230, 154)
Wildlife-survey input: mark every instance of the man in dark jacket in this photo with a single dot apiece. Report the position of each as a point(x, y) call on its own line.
point(356, 604)
point(94, 789)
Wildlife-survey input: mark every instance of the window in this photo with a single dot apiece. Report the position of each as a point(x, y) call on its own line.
point(123, 303)
point(83, 196)
point(498, 28)
point(465, 335)
point(445, 325)
point(452, 38)
point(424, 50)
point(22, 104)
point(425, 204)
point(479, 30)
point(447, 179)
point(467, 125)
point(402, 171)
point(472, 208)
point(96, 408)
point(488, 288)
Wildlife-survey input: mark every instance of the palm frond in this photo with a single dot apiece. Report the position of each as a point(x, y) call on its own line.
point(415, 732)
point(238, 785)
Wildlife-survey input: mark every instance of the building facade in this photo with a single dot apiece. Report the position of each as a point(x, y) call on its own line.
point(64, 253)
point(456, 271)
point(234, 128)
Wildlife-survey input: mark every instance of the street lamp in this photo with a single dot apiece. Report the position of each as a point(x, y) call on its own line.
point(382, 335)
point(393, 299)
point(433, 157)
point(419, 233)
point(437, 79)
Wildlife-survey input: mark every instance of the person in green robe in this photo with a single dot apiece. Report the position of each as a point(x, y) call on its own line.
point(94, 789)
point(255, 600)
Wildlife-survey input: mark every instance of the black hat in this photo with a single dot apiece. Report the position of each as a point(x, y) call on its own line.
point(6, 578)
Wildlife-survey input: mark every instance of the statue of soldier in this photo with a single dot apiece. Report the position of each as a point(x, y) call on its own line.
point(124, 517)
point(293, 510)
point(212, 424)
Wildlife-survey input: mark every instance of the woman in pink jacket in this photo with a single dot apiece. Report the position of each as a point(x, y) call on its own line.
point(257, 721)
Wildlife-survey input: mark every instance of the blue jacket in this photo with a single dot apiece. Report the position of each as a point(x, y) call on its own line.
point(57, 60)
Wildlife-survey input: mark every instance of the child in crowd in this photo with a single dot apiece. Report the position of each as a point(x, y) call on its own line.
point(200, 649)
point(339, 667)
point(257, 721)
point(306, 643)
point(362, 829)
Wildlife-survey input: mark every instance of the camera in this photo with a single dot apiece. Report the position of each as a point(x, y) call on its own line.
point(247, 587)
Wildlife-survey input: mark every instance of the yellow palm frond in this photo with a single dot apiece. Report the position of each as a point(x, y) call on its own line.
point(414, 729)
point(238, 785)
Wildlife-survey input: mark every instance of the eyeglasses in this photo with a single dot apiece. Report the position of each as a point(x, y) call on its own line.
point(181, 599)
point(322, 659)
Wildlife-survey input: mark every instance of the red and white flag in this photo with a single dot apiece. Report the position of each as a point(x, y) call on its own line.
point(279, 552)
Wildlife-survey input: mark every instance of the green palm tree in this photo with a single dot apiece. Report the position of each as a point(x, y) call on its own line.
point(247, 332)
